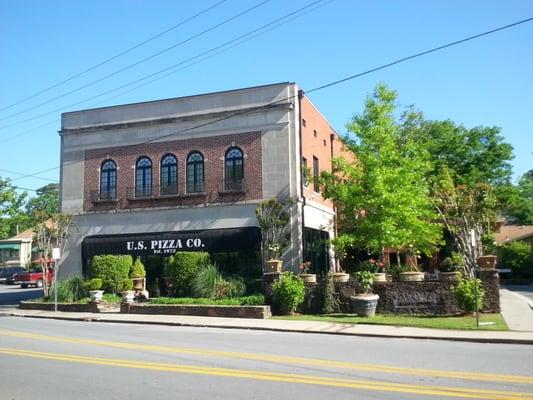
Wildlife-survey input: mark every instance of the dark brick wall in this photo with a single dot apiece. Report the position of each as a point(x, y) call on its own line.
point(388, 291)
point(213, 149)
point(67, 307)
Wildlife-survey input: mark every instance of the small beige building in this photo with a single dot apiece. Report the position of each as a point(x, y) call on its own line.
point(16, 250)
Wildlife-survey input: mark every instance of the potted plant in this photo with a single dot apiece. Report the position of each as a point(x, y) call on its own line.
point(377, 268)
point(138, 274)
point(411, 272)
point(305, 274)
point(273, 264)
point(450, 268)
point(128, 295)
point(365, 303)
point(93, 286)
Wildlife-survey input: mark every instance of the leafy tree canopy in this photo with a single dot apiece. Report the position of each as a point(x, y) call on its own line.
point(383, 196)
point(12, 216)
point(520, 200)
point(45, 204)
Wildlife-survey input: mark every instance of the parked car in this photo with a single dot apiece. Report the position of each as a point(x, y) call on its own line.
point(34, 277)
point(6, 273)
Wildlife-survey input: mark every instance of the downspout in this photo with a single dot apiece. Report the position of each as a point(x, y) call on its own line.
point(300, 96)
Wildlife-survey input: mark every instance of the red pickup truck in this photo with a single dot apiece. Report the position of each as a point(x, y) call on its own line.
point(33, 278)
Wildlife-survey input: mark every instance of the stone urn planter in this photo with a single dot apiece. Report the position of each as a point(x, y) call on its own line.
point(96, 296)
point(128, 296)
point(273, 266)
point(341, 277)
point(308, 278)
point(486, 262)
point(380, 277)
point(411, 276)
point(364, 305)
point(138, 283)
point(449, 276)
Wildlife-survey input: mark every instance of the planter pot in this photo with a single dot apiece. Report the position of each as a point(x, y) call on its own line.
point(308, 278)
point(449, 276)
point(138, 283)
point(411, 276)
point(128, 296)
point(487, 262)
point(273, 266)
point(380, 277)
point(364, 305)
point(96, 295)
point(341, 277)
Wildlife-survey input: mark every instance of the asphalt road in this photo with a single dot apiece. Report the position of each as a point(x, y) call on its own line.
point(53, 359)
point(12, 294)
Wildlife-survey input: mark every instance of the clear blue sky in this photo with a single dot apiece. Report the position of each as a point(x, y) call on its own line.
point(488, 81)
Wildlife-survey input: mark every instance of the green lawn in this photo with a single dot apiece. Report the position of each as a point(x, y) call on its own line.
point(461, 322)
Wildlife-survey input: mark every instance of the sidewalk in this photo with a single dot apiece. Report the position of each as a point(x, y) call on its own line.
point(314, 327)
point(517, 310)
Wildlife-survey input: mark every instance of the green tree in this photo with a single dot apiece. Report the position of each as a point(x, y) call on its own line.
point(472, 156)
point(45, 204)
point(520, 200)
point(383, 196)
point(12, 216)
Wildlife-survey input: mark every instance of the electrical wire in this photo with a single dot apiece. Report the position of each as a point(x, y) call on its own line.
point(211, 28)
point(333, 83)
point(183, 22)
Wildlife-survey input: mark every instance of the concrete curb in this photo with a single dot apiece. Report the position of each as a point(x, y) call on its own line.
point(100, 317)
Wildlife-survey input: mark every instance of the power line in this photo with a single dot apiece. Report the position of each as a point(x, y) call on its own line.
point(262, 30)
point(183, 22)
point(20, 173)
point(164, 69)
point(268, 105)
point(211, 28)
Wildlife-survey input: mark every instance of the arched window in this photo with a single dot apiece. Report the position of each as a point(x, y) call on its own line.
point(143, 177)
point(108, 180)
point(169, 175)
point(234, 169)
point(195, 173)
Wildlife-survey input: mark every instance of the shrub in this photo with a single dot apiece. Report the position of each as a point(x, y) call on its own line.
point(126, 284)
point(137, 269)
point(288, 293)
point(331, 302)
point(112, 270)
point(365, 280)
point(395, 270)
point(93, 284)
point(255, 300)
point(184, 266)
point(70, 290)
point(203, 284)
point(226, 289)
point(517, 255)
point(465, 294)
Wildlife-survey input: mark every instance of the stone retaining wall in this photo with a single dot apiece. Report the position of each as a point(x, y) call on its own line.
point(388, 291)
point(260, 312)
point(68, 307)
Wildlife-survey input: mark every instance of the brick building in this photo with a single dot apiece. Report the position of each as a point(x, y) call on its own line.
point(181, 174)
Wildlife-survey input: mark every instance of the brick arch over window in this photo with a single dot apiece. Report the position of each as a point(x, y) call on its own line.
point(108, 180)
point(234, 169)
point(168, 180)
point(195, 172)
point(143, 177)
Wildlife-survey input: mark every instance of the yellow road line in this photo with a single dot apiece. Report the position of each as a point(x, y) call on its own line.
point(279, 377)
point(471, 376)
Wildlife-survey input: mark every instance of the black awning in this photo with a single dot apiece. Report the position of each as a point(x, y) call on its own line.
point(167, 243)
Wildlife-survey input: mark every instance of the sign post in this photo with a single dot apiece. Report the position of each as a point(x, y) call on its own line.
point(473, 243)
point(56, 255)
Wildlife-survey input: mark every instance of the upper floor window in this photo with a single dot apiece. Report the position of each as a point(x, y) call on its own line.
point(143, 177)
point(305, 172)
point(195, 173)
point(234, 169)
point(316, 174)
point(169, 175)
point(108, 180)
